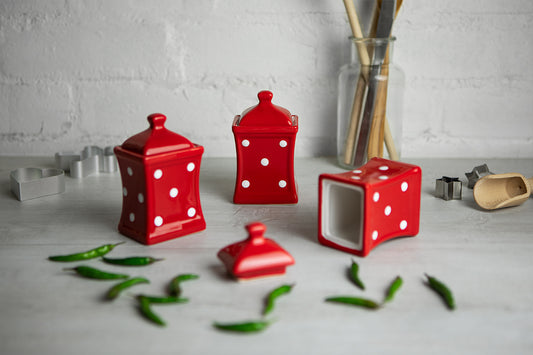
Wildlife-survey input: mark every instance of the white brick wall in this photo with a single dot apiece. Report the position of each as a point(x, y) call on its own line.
point(76, 72)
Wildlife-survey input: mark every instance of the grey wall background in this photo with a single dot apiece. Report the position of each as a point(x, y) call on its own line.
point(75, 72)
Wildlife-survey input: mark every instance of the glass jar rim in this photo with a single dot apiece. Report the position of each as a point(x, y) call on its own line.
point(372, 39)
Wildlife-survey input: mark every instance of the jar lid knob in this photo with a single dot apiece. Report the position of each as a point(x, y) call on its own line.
point(157, 120)
point(256, 230)
point(265, 96)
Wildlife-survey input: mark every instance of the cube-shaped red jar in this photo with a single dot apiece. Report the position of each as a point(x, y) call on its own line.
point(362, 208)
point(264, 139)
point(160, 173)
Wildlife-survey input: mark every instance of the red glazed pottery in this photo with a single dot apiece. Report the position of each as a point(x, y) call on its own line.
point(264, 138)
point(160, 173)
point(256, 256)
point(362, 208)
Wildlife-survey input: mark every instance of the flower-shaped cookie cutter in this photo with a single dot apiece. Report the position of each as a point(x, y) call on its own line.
point(91, 160)
point(30, 183)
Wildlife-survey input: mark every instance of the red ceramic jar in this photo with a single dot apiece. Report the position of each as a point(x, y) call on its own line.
point(264, 139)
point(362, 208)
point(160, 173)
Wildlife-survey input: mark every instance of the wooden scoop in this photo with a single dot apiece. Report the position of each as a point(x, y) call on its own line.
point(502, 190)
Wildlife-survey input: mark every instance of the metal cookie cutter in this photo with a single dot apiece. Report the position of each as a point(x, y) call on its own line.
point(448, 188)
point(477, 173)
point(92, 160)
point(29, 183)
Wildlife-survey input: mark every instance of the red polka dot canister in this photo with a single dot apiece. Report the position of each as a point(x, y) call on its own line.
point(264, 139)
point(362, 208)
point(160, 173)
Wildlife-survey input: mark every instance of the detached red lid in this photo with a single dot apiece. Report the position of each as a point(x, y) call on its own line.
point(266, 113)
point(256, 256)
point(156, 139)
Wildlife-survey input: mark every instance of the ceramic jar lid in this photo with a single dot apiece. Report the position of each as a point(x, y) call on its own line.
point(255, 256)
point(156, 139)
point(266, 114)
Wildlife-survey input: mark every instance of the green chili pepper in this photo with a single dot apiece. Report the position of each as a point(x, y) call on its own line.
point(163, 299)
point(118, 288)
point(92, 273)
point(132, 261)
point(146, 310)
point(269, 306)
point(442, 290)
point(174, 287)
point(89, 254)
point(245, 327)
point(354, 301)
point(394, 286)
point(354, 275)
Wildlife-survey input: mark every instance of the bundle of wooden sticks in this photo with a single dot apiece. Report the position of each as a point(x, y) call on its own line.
point(368, 128)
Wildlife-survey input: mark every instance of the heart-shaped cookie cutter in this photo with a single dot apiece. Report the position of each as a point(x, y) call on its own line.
point(29, 183)
point(91, 160)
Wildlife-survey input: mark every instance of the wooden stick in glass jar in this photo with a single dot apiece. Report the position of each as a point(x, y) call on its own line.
point(380, 130)
point(364, 59)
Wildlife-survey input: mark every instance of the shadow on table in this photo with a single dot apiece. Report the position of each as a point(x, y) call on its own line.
point(466, 200)
point(220, 271)
point(303, 224)
point(104, 215)
point(218, 185)
point(5, 191)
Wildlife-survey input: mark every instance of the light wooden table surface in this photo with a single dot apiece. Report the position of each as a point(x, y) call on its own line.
point(484, 257)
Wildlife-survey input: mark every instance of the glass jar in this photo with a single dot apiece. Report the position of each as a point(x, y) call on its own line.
point(370, 103)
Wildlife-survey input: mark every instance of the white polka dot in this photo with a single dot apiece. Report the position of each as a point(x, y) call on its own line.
point(374, 235)
point(356, 177)
point(403, 224)
point(191, 212)
point(125, 191)
point(264, 162)
point(158, 221)
point(405, 185)
point(157, 174)
point(282, 183)
point(282, 143)
point(132, 217)
point(388, 210)
point(245, 142)
point(130, 171)
point(383, 177)
point(375, 197)
point(357, 171)
point(173, 192)
point(383, 168)
point(190, 167)
point(245, 184)
point(140, 197)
